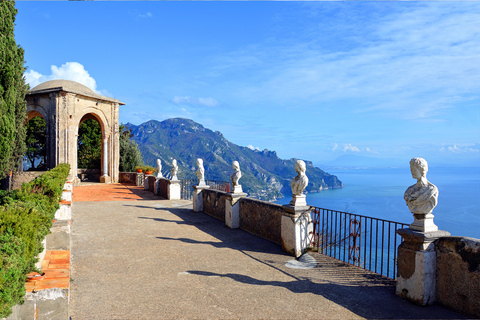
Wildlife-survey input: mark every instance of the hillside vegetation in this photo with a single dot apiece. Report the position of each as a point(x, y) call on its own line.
point(264, 175)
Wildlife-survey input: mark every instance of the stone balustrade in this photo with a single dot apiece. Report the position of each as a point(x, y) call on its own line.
point(433, 267)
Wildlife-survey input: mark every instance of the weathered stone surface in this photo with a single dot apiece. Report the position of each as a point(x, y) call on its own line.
point(151, 182)
point(64, 104)
point(296, 233)
point(416, 273)
point(139, 179)
point(162, 187)
point(458, 274)
point(214, 203)
point(262, 218)
point(24, 177)
point(416, 276)
point(232, 209)
point(127, 177)
point(64, 212)
point(59, 238)
point(198, 197)
point(174, 190)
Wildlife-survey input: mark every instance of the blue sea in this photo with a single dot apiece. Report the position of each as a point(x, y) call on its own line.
point(379, 193)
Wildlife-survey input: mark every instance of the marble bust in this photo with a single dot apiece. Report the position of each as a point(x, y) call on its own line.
point(235, 177)
point(174, 170)
point(300, 182)
point(200, 172)
point(159, 168)
point(421, 198)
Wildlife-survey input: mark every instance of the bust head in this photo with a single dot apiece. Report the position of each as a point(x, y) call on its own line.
point(300, 166)
point(199, 162)
point(174, 162)
point(236, 165)
point(418, 167)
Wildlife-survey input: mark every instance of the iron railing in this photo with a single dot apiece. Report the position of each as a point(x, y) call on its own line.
point(362, 241)
point(187, 187)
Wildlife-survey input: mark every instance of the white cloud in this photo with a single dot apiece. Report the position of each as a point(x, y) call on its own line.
point(253, 148)
point(73, 71)
point(461, 148)
point(145, 15)
point(415, 62)
point(209, 102)
point(350, 147)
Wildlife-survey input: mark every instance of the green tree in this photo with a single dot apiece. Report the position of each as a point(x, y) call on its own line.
point(36, 141)
point(130, 155)
point(89, 144)
point(12, 92)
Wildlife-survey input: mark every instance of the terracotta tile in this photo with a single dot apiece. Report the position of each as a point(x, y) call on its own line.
point(59, 261)
point(62, 283)
point(29, 286)
point(60, 254)
point(57, 273)
point(59, 266)
point(47, 255)
point(45, 264)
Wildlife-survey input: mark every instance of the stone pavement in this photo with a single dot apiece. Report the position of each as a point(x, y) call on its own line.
point(148, 258)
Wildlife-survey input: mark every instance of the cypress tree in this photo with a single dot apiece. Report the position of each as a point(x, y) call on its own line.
point(12, 92)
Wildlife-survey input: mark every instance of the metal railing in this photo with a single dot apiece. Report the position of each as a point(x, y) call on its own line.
point(187, 187)
point(362, 241)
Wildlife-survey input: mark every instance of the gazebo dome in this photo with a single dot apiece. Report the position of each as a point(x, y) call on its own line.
point(69, 86)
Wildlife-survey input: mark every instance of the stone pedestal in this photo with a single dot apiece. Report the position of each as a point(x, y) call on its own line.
point(298, 201)
point(232, 209)
point(139, 181)
point(423, 223)
point(146, 185)
point(156, 188)
point(105, 179)
point(237, 189)
point(198, 197)
point(416, 270)
point(174, 190)
point(296, 229)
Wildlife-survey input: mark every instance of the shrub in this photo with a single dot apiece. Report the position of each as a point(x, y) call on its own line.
point(25, 219)
point(13, 268)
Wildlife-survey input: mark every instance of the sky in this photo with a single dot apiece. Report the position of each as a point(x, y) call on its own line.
point(310, 80)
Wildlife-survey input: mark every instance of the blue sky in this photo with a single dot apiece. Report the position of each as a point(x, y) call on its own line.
point(310, 80)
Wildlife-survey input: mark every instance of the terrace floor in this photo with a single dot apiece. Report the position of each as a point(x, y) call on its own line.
point(136, 256)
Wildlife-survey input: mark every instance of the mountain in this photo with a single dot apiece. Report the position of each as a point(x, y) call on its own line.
point(264, 175)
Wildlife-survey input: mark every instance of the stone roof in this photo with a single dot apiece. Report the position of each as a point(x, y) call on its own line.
point(69, 86)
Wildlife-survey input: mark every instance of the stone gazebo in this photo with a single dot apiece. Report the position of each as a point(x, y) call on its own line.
point(64, 105)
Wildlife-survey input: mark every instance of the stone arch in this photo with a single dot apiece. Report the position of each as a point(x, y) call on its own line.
point(35, 113)
point(63, 104)
point(30, 115)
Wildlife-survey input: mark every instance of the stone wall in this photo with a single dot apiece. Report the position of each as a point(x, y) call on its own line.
point(127, 177)
point(24, 177)
point(163, 189)
point(458, 274)
point(151, 182)
point(214, 203)
point(262, 218)
point(89, 174)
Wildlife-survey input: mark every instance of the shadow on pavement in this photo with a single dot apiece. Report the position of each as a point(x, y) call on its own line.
point(367, 294)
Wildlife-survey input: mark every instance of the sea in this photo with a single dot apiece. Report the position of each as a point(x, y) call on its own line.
point(378, 193)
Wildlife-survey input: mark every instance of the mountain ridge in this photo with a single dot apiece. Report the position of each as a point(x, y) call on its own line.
point(264, 175)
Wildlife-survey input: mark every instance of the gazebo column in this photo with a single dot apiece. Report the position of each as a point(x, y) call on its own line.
point(105, 178)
